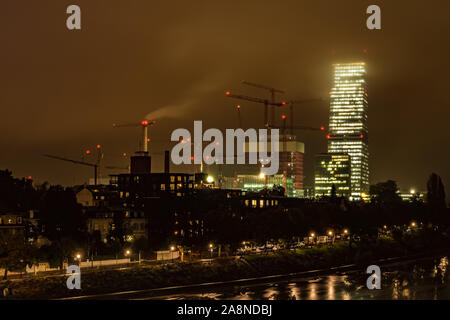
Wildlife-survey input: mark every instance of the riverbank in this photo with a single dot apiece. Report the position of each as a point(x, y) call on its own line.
point(247, 268)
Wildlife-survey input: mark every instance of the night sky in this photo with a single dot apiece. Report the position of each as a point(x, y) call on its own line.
point(62, 90)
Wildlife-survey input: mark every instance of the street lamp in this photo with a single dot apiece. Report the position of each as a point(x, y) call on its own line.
point(78, 256)
point(312, 235)
point(330, 234)
point(172, 249)
point(345, 234)
point(127, 253)
point(210, 179)
point(413, 224)
point(211, 249)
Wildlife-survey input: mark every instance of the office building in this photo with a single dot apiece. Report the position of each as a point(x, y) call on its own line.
point(332, 170)
point(348, 126)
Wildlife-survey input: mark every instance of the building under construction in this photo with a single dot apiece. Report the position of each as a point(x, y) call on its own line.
point(248, 177)
point(291, 162)
point(291, 151)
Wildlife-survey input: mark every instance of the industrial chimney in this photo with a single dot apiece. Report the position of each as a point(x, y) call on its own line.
point(141, 162)
point(166, 161)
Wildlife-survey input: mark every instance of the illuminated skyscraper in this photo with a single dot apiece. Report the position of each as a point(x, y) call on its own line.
point(348, 130)
point(332, 169)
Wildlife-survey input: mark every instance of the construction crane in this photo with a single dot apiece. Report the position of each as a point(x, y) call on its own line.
point(238, 108)
point(292, 128)
point(266, 103)
point(94, 165)
point(292, 103)
point(284, 153)
point(127, 167)
point(144, 124)
point(118, 168)
point(100, 155)
point(272, 92)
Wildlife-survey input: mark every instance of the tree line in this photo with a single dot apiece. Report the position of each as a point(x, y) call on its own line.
point(213, 217)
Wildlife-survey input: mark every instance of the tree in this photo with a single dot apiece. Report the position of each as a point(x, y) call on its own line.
point(436, 192)
point(95, 245)
point(333, 191)
point(140, 245)
point(385, 192)
point(62, 222)
point(15, 251)
point(16, 194)
point(277, 190)
point(119, 232)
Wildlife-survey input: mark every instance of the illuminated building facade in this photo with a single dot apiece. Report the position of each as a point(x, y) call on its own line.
point(256, 183)
point(332, 169)
point(291, 155)
point(247, 176)
point(348, 129)
point(291, 161)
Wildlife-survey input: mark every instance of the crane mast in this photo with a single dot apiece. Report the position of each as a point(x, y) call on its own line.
point(265, 102)
point(145, 124)
point(272, 93)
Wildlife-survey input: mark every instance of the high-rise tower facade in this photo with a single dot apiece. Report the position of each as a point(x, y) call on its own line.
point(348, 129)
point(332, 169)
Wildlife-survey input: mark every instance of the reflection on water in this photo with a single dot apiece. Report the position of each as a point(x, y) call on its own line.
point(425, 279)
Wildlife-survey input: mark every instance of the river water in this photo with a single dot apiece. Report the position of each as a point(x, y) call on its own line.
point(421, 279)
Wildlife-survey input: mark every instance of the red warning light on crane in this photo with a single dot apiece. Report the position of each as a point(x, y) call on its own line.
point(322, 128)
point(228, 93)
point(144, 123)
point(361, 136)
point(328, 136)
point(99, 146)
point(283, 116)
point(283, 103)
point(88, 152)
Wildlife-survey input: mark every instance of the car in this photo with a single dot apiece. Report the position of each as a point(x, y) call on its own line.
point(259, 249)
